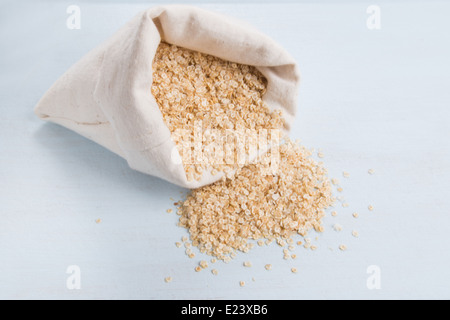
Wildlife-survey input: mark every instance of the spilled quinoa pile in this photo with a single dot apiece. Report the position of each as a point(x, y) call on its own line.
point(254, 205)
point(252, 201)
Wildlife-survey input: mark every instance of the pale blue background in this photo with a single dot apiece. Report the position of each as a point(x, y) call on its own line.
point(369, 99)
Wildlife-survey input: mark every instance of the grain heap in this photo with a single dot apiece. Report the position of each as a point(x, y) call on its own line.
point(250, 202)
point(222, 217)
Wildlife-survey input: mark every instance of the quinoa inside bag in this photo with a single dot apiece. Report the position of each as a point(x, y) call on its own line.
point(214, 104)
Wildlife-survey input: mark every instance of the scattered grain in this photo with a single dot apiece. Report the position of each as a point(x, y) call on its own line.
point(168, 279)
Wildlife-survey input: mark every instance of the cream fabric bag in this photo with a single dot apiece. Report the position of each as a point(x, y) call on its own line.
point(106, 96)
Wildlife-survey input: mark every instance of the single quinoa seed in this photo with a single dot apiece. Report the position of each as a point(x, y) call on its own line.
point(268, 267)
point(168, 279)
point(334, 181)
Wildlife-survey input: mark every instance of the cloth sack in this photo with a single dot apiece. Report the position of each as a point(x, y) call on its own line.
point(106, 96)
